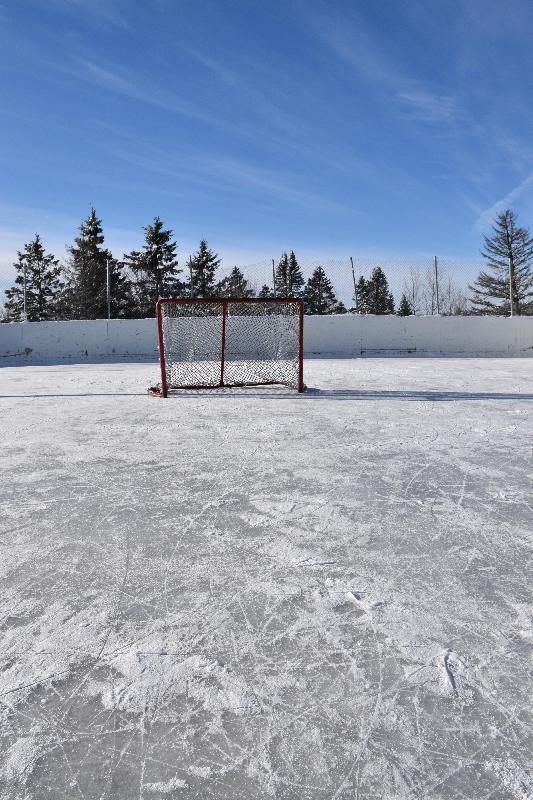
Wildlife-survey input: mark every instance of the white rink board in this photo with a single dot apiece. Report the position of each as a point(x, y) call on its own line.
point(259, 595)
point(348, 334)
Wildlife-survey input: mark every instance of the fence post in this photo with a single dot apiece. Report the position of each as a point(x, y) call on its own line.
point(354, 286)
point(273, 278)
point(108, 288)
point(24, 314)
point(436, 284)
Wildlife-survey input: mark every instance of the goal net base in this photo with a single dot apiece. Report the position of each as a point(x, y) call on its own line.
point(155, 391)
point(234, 342)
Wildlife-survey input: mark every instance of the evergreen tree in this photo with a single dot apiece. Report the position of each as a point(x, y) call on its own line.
point(41, 274)
point(319, 297)
point(203, 266)
point(234, 285)
point(361, 296)
point(509, 256)
point(296, 281)
point(265, 292)
point(280, 275)
point(85, 295)
point(155, 268)
point(377, 298)
point(288, 278)
point(404, 309)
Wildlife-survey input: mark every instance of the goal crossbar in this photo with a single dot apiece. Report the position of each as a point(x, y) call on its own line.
point(206, 343)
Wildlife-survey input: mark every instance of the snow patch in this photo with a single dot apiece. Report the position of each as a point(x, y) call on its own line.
point(165, 787)
point(514, 778)
point(20, 759)
point(146, 680)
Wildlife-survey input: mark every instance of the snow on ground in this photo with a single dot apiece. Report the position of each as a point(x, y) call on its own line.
point(256, 594)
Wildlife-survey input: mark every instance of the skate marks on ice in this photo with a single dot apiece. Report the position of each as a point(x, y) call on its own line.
point(253, 605)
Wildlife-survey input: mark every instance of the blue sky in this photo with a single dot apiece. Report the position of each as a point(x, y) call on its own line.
point(391, 128)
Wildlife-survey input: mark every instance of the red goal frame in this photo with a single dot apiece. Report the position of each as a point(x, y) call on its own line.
point(162, 390)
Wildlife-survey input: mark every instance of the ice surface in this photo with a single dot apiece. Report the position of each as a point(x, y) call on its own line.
point(256, 594)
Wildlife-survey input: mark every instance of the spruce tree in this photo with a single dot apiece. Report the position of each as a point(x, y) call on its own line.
point(288, 278)
point(509, 256)
point(40, 271)
point(295, 278)
point(265, 292)
point(155, 268)
point(85, 295)
point(404, 309)
point(361, 296)
point(379, 299)
point(280, 275)
point(319, 297)
point(203, 266)
point(234, 285)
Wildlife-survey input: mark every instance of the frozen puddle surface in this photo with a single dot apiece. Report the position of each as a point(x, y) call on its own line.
point(254, 594)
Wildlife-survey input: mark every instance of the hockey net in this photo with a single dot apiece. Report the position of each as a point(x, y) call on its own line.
point(230, 342)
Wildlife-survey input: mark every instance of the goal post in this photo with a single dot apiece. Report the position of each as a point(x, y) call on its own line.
point(222, 342)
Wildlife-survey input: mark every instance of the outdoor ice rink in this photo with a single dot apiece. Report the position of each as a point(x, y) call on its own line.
point(258, 594)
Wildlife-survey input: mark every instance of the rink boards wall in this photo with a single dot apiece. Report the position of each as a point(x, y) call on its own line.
point(343, 335)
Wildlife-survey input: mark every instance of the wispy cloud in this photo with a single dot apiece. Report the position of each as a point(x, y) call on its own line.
point(234, 176)
point(508, 201)
point(516, 150)
point(113, 81)
point(101, 13)
point(285, 130)
point(244, 75)
point(259, 103)
point(485, 20)
point(350, 38)
point(221, 71)
point(245, 109)
point(428, 107)
point(132, 86)
point(273, 126)
point(242, 174)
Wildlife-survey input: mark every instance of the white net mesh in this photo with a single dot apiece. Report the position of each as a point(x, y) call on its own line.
point(192, 337)
point(260, 344)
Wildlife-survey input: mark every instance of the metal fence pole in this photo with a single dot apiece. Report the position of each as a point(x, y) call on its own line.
point(108, 288)
point(24, 310)
point(436, 284)
point(354, 284)
point(273, 278)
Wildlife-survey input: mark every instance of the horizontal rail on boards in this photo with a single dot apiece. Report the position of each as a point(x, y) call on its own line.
point(221, 300)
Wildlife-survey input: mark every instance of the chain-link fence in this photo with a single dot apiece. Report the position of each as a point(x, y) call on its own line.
point(432, 285)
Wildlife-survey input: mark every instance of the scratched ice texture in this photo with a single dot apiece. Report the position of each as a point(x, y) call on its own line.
point(254, 594)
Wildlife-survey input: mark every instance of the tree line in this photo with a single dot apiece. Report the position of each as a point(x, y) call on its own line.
point(92, 277)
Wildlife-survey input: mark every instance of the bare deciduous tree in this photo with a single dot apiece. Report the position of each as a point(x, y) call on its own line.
point(412, 288)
